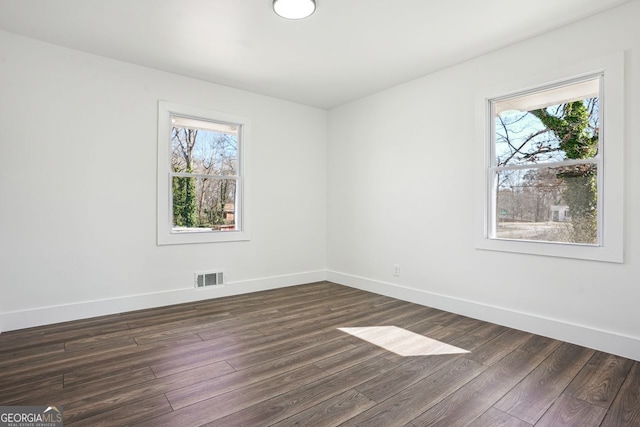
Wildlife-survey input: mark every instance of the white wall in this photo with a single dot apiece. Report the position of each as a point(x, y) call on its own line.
point(78, 189)
point(401, 191)
point(77, 194)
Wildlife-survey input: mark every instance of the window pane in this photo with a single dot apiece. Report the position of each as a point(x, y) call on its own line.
point(548, 126)
point(555, 204)
point(202, 151)
point(203, 204)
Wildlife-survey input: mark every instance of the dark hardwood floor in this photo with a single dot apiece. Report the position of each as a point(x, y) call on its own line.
point(279, 358)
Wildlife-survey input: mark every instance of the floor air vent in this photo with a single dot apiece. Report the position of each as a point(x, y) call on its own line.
point(204, 280)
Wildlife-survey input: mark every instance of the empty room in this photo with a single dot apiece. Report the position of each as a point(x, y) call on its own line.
point(319, 213)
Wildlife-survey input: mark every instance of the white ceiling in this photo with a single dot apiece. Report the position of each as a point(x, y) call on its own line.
point(346, 50)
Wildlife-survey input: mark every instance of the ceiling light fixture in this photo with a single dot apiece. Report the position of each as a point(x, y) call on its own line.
point(294, 9)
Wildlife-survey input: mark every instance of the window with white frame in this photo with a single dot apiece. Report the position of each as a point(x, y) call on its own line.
point(553, 164)
point(201, 176)
point(544, 164)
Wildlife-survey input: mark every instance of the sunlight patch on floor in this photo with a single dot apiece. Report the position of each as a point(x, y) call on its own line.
point(402, 342)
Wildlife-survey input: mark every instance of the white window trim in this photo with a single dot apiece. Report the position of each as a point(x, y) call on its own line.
point(165, 235)
point(611, 244)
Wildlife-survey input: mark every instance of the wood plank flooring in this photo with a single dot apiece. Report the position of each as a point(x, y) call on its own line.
point(278, 358)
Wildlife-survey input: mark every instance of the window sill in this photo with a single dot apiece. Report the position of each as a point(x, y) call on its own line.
point(562, 250)
point(202, 237)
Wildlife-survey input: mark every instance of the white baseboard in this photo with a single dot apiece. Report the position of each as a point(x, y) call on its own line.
point(63, 313)
point(609, 342)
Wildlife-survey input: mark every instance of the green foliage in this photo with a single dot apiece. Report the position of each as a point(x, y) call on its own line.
point(185, 212)
point(571, 128)
point(581, 197)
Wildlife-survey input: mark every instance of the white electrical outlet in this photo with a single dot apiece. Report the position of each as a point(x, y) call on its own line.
point(396, 270)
